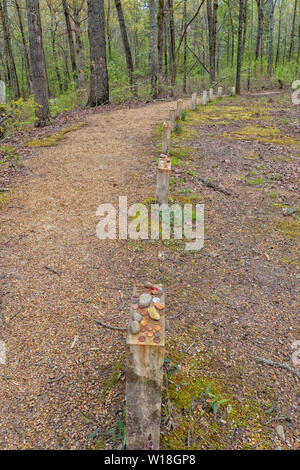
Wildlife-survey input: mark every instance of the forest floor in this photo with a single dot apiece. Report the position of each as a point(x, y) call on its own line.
point(62, 386)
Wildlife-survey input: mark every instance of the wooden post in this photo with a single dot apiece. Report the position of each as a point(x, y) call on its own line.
point(194, 101)
point(163, 177)
point(173, 119)
point(204, 97)
point(2, 93)
point(211, 94)
point(166, 138)
point(220, 92)
point(145, 351)
point(232, 91)
point(179, 109)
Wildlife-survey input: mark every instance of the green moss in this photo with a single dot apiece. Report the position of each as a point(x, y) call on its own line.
point(272, 195)
point(289, 227)
point(261, 134)
point(54, 139)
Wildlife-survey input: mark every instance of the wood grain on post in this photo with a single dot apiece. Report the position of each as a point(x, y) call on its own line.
point(204, 97)
point(194, 101)
point(166, 138)
point(2, 93)
point(179, 109)
point(220, 90)
point(144, 371)
point(211, 94)
point(163, 178)
point(173, 119)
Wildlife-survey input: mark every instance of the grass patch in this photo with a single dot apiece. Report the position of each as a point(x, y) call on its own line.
point(255, 181)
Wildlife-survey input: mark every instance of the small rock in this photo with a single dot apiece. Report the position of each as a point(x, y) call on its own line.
point(290, 211)
point(148, 285)
point(154, 313)
point(229, 409)
point(144, 300)
point(156, 300)
point(137, 317)
point(280, 431)
point(135, 327)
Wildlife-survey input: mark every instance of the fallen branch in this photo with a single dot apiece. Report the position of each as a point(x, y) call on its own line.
point(277, 364)
point(214, 186)
point(99, 322)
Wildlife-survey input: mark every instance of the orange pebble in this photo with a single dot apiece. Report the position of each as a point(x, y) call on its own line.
point(144, 323)
point(150, 334)
point(159, 306)
point(157, 328)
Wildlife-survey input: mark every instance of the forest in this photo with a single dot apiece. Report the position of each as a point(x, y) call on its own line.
point(92, 52)
point(149, 227)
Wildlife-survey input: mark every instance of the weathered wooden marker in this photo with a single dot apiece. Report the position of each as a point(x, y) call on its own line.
point(163, 178)
point(211, 94)
point(145, 351)
point(179, 109)
point(220, 90)
point(204, 97)
point(194, 101)
point(232, 91)
point(173, 119)
point(2, 93)
point(166, 138)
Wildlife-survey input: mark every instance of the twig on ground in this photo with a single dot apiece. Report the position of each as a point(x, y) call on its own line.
point(215, 186)
point(99, 322)
point(176, 316)
point(277, 364)
point(52, 270)
point(57, 379)
point(17, 312)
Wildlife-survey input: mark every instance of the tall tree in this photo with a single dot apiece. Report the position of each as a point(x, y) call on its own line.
point(70, 36)
point(26, 54)
point(77, 7)
point(38, 66)
point(8, 49)
point(240, 48)
point(153, 48)
point(99, 89)
point(126, 44)
point(291, 49)
point(260, 29)
point(272, 5)
point(212, 19)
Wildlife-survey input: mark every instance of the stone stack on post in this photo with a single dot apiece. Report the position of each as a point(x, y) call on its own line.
point(232, 91)
point(220, 90)
point(179, 109)
point(166, 138)
point(2, 93)
point(145, 351)
point(173, 119)
point(194, 101)
point(211, 94)
point(204, 97)
point(163, 178)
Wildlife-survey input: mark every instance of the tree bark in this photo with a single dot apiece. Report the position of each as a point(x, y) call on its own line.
point(279, 35)
point(272, 6)
point(153, 48)
point(26, 54)
point(99, 89)
point(126, 44)
point(291, 50)
point(8, 49)
point(240, 47)
point(78, 42)
point(70, 37)
point(38, 66)
point(160, 43)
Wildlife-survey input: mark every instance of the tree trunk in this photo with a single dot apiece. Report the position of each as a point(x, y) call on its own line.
point(212, 18)
point(260, 29)
point(153, 48)
point(185, 48)
point(79, 46)
point(38, 66)
point(270, 52)
point(173, 47)
point(126, 44)
point(291, 50)
point(99, 90)
point(8, 49)
point(70, 37)
point(26, 54)
point(239, 51)
point(279, 35)
point(160, 43)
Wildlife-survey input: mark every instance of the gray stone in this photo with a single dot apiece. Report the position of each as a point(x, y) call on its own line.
point(2, 93)
point(144, 300)
point(280, 431)
point(137, 317)
point(135, 327)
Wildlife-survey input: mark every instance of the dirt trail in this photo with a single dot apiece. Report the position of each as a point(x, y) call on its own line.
point(235, 300)
point(52, 222)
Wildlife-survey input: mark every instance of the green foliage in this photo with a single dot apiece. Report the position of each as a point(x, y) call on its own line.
point(118, 431)
point(70, 99)
point(212, 402)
